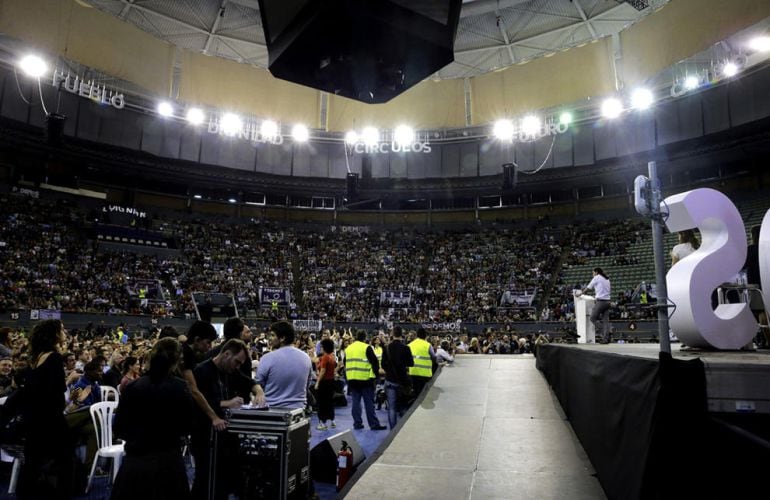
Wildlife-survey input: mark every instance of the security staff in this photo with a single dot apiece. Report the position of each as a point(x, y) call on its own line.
point(423, 355)
point(360, 366)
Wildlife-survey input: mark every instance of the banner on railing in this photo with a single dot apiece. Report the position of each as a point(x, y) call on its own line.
point(269, 295)
point(307, 325)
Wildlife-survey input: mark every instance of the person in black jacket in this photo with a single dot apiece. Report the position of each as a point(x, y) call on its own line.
point(154, 414)
point(396, 360)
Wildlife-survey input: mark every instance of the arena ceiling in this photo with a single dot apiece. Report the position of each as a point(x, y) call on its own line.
point(492, 33)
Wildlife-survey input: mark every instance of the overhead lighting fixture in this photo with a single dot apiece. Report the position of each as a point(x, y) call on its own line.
point(531, 125)
point(565, 118)
point(232, 200)
point(165, 109)
point(642, 99)
point(351, 137)
point(691, 82)
point(403, 135)
point(231, 124)
point(760, 44)
point(503, 130)
point(611, 108)
point(268, 129)
point(195, 116)
point(370, 136)
point(197, 196)
point(730, 69)
point(33, 66)
point(300, 133)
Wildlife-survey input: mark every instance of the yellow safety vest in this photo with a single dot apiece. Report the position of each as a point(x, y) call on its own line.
point(357, 367)
point(423, 366)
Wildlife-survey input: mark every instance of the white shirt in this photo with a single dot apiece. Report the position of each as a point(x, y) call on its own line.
point(682, 250)
point(443, 357)
point(602, 287)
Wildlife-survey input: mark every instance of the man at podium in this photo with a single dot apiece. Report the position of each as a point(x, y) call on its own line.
point(600, 315)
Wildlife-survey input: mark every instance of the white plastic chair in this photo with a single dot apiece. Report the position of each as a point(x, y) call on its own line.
point(101, 414)
point(109, 391)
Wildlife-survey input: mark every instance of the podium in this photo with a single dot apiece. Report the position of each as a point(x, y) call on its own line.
point(584, 304)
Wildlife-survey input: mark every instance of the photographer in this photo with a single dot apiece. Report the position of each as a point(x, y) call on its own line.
point(445, 353)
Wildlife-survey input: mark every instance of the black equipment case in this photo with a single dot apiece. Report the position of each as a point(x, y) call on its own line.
point(273, 453)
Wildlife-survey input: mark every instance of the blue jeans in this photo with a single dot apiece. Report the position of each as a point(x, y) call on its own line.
point(363, 390)
point(391, 390)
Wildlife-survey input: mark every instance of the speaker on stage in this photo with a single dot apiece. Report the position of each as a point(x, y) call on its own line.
point(509, 176)
point(352, 186)
point(323, 456)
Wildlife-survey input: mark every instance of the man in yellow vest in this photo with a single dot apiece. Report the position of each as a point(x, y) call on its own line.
point(423, 355)
point(360, 366)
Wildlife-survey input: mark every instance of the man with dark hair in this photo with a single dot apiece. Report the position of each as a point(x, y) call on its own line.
point(361, 364)
point(220, 381)
point(235, 328)
point(284, 373)
point(5, 342)
point(199, 338)
point(396, 360)
point(423, 355)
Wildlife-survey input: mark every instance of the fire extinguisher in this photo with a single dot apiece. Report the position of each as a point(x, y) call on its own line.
point(344, 465)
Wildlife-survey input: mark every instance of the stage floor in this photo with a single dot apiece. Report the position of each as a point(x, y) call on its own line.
point(489, 427)
point(652, 350)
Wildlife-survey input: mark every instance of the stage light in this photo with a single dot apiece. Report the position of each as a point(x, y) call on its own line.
point(691, 83)
point(231, 124)
point(611, 108)
point(195, 116)
point(565, 118)
point(730, 69)
point(642, 99)
point(503, 130)
point(33, 66)
point(531, 125)
point(351, 137)
point(268, 129)
point(370, 136)
point(300, 133)
point(165, 109)
point(403, 135)
point(760, 44)
point(197, 196)
point(232, 200)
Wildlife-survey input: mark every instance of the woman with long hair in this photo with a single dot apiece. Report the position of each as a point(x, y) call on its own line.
point(132, 369)
point(153, 417)
point(324, 385)
point(48, 449)
point(688, 243)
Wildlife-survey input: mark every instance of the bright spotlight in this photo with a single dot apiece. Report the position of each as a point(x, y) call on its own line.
point(197, 196)
point(730, 69)
point(503, 130)
point(370, 136)
point(642, 99)
point(300, 133)
point(691, 83)
point(33, 66)
point(760, 44)
point(611, 108)
point(565, 118)
point(530, 125)
point(231, 124)
point(195, 116)
point(403, 135)
point(268, 129)
point(351, 137)
point(232, 200)
point(165, 109)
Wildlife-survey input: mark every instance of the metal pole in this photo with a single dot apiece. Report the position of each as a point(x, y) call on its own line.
point(660, 265)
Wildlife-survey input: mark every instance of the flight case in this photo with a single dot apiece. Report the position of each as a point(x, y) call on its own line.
point(272, 454)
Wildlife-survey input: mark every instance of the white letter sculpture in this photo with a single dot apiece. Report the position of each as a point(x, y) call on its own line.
point(692, 280)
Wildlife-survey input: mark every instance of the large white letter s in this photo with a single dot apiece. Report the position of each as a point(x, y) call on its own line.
point(692, 280)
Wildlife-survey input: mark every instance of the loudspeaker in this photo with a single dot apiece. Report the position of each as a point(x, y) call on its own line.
point(363, 50)
point(54, 128)
point(351, 193)
point(323, 456)
point(366, 167)
point(509, 176)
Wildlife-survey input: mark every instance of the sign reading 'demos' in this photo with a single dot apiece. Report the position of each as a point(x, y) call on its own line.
point(719, 259)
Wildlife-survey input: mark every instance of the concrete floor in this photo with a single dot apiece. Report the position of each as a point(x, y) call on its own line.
point(490, 427)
